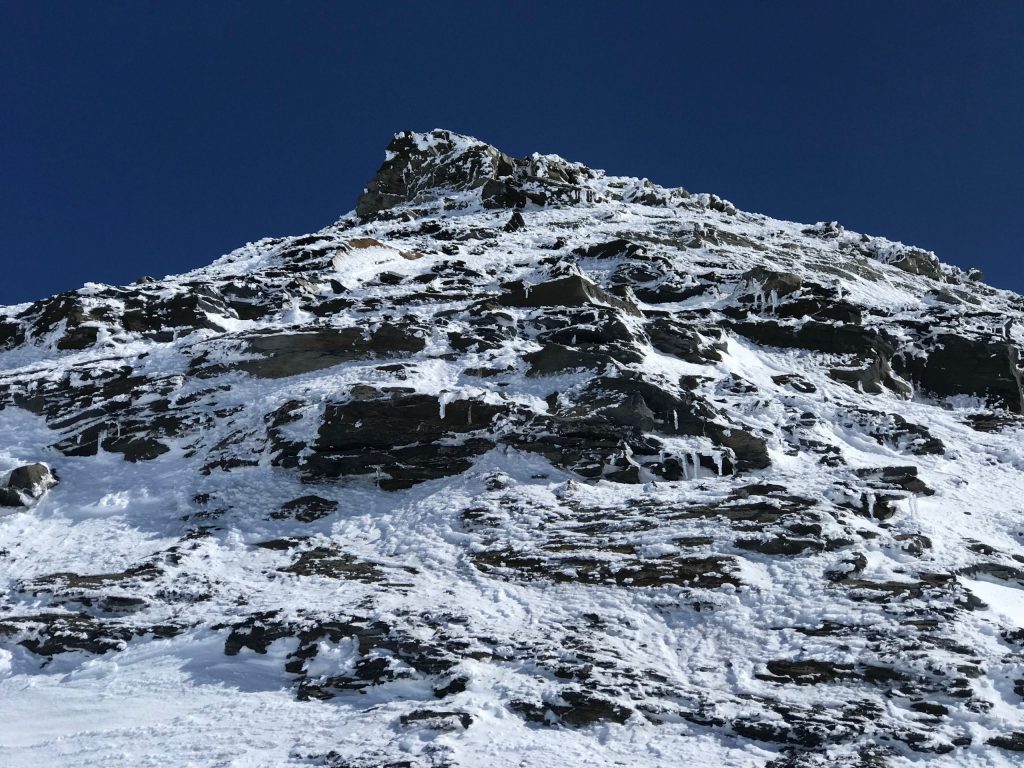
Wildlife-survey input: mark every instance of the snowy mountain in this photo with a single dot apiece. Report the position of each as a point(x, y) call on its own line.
point(518, 464)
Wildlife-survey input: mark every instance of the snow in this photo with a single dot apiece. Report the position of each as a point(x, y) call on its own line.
point(1005, 600)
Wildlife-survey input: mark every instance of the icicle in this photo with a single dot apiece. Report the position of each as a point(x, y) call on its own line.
point(695, 460)
point(675, 419)
point(717, 457)
point(442, 401)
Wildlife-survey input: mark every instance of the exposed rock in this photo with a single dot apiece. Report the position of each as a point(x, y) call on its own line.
point(135, 448)
point(961, 365)
point(9, 497)
point(919, 263)
point(291, 354)
point(1013, 742)
point(306, 509)
point(516, 223)
point(620, 248)
point(502, 194)
point(11, 335)
point(873, 376)
point(553, 359)
point(399, 441)
point(820, 337)
point(686, 343)
point(26, 484)
point(418, 166)
point(770, 282)
point(32, 479)
point(442, 161)
point(806, 672)
point(569, 291)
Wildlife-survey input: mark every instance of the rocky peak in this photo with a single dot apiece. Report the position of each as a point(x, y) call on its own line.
point(424, 167)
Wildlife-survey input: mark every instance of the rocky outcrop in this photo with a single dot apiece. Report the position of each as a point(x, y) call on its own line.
point(401, 440)
point(965, 365)
point(570, 291)
point(419, 167)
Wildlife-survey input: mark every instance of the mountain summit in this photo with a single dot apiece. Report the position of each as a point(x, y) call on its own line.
point(519, 463)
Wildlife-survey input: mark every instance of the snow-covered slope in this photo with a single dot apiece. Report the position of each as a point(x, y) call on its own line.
point(519, 464)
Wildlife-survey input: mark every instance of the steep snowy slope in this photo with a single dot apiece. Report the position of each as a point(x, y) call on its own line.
point(519, 464)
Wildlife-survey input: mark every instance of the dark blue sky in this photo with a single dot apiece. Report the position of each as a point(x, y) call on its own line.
point(149, 138)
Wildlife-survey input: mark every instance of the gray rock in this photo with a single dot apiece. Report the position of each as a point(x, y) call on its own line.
point(306, 509)
point(569, 291)
point(502, 194)
point(919, 263)
point(33, 480)
point(769, 281)
point(872, 375)
point(446, 161)
point(291, 354)
point(961, 365)
point(10, 497)
point(515, 223)
point(400, 440)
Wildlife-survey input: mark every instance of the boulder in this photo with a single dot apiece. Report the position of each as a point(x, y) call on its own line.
point(33, 480)
point(515, 223)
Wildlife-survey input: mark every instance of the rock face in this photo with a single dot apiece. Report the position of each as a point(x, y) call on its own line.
point(522, 454)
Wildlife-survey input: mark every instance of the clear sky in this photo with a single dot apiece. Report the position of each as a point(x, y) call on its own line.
point(149, 138)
